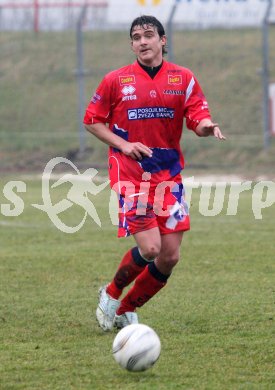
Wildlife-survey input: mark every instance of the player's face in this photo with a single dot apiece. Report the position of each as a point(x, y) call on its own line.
point(147, 45)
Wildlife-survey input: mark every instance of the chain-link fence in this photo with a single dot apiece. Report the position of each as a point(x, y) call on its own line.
point(39, 99)
point(51, 15)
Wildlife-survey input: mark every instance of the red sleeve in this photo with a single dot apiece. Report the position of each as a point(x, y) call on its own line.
point(98, 109)
point(196, 106)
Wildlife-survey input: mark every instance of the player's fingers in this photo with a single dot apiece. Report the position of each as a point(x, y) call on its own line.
point(218, 134)
point(144, 150)
point(136, 155)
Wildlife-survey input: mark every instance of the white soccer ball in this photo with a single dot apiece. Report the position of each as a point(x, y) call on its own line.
point(136, 347)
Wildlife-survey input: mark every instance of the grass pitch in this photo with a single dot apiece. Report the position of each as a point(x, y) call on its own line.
point(215, 318)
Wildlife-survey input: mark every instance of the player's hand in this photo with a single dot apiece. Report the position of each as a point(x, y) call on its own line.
point(207, 128)
point(214, 130)
point(136, 150)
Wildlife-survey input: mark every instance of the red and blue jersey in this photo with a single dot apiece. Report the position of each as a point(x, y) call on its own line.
point(151, 111)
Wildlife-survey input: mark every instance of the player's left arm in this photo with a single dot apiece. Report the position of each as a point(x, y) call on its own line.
point(198, 117)
point(207, 128)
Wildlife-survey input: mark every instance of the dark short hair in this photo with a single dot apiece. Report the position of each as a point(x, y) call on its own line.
point(145, 20)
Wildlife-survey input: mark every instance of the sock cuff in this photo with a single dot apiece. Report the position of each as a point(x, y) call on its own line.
point(156, 273)
point(138, 259)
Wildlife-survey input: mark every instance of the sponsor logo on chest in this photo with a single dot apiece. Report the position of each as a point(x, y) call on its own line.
point(173, 92)
point(151, 113)
point(128, 91)
point(127, 80)
point(175, 79)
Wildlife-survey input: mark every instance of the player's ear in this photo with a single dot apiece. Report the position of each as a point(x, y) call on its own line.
point(163, 40)
point(132, 45)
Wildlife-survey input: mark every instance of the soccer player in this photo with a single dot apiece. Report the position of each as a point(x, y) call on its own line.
point(139, 111)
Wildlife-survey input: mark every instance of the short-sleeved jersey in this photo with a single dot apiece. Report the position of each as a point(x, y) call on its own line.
point(151, 111)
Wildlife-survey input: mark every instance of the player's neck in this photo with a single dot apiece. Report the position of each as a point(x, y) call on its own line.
point(151, 70)
point(151, 64)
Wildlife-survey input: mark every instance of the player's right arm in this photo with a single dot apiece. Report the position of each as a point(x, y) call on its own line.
point(135, 150)
point(98, 114)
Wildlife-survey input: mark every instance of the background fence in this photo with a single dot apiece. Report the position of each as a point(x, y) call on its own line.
point(39, 84)
point(117, 14)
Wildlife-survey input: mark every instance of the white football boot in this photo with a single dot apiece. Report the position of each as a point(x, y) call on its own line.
point(125, 319)
point(106, 309)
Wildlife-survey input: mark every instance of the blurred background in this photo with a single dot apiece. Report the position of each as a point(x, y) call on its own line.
point(54, 53)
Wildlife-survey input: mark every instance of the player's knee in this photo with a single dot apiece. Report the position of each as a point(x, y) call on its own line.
point(170, 260)
point(173, 260)
point(150, 252)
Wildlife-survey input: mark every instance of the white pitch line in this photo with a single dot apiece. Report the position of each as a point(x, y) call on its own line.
point(19, 224)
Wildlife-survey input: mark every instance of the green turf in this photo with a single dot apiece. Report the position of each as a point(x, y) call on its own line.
point(215, 318)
